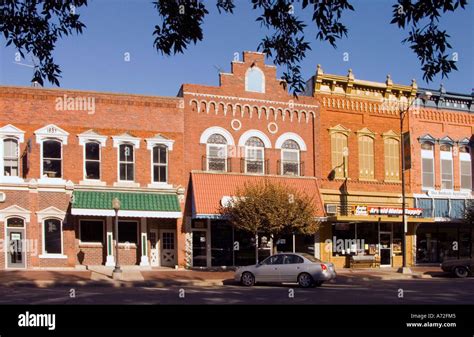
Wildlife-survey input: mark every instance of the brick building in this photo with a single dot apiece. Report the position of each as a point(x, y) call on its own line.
point(173, 161)
point(66, 154)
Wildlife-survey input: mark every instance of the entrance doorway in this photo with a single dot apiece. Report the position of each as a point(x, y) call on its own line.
point(168, 248)
point(15, 235)
point(199, 248)
point(385, 239)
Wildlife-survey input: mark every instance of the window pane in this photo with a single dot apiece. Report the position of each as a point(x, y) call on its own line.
point(216, 139)
point(216, 164)
point(290, 156)
point(255, 166)
point(52, 236)
point(255, 80)
point(457, 209)
point(126, 172)
point(427, 206)
point(254, 141)
point(51, 149)
point(290, 144)
point(126, 153)
point(92, 151)
point(216, 151)
point(52, 168)
point(159, 154)
point(338, 143)
point(441, 208)
point(92, 231)
point(466, 177)
point(428, 174)
point(446, 174)
point(10, 148)
point(159, 173)
point(92, 170)
point(162, 154)
point(127, 232)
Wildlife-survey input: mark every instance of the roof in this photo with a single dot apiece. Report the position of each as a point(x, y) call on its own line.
point(131, 204)
point(209, 188)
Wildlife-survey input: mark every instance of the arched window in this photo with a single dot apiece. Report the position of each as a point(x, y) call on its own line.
point(392, 159)
point(366, 157)
point(92, 160)
point(339, 154)
point(216, 153)
point(126, 162)
point(427, 165)
point(466, 167)
point(10, 157)
point(160, 163)
point(254, 156)
point(290, 158)
point(255, 80)
point(446, 156)
point(52, 158)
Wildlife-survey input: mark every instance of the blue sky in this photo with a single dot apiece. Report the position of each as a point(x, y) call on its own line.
point(95, 59)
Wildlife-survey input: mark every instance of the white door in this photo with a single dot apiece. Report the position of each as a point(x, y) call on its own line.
point(154, 249)
point(168, 248)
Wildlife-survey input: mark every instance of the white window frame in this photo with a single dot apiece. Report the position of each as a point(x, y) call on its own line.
point(428, 154)
point(43, 237)
point(443, 155)
point(153, 164)
point(220, 146)
point(10, 132)
point(89, 137)
point(119, 162)
point(45, 177)
point(465, 157)
point(262, 148)
point(298, 162)
point(135, 142)
point(104, 237)
point(151, 143)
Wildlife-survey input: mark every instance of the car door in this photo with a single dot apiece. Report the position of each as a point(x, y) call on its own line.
point(269, 269)
point(292, 266)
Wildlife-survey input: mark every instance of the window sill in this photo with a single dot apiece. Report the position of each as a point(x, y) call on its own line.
point(392, 181)
point(90, 182)
point(160, 185)
point(53, 256)
point(127, 246)
point(368, 180)
point(90, 245)
point(126, 184)
point(11, 180)
point(51, 181)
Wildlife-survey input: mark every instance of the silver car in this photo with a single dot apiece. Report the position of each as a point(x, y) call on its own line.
point(300, 268)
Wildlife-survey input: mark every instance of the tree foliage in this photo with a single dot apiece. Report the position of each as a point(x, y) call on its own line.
point(271, 209)
point(34, 26)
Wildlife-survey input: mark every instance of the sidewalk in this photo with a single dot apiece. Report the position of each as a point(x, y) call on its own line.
point(133, 277)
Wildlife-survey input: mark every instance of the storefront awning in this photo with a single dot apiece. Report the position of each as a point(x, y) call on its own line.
point(147, 205)
point(209, 190)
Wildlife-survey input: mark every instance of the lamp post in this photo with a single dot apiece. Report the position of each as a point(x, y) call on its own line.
point(117, 273)
point(403, 112)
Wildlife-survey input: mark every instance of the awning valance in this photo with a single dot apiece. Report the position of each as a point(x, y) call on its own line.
point(132, 204)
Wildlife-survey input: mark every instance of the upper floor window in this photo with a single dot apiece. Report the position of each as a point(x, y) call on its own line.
point(446, 155)
point(255, 80)
point(427, 165)
point(466, 168)
point(160, 163)
point(52, 158)
point(339, 154)
point(92, 160)
point(366, 157)
point(254, 155)
point(126, 162)
point(10, 157)
point(216, 149)
point(290, 158)
point(392, 159)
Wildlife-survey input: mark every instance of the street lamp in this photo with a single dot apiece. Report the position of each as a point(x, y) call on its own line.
point(403, 112)
point(117, 273)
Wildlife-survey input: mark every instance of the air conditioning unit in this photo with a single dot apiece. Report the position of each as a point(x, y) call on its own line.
point(331, 209)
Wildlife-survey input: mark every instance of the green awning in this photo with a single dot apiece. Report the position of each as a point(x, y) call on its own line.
point(153, 205)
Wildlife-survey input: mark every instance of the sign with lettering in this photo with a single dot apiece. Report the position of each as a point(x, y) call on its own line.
point(372, 210)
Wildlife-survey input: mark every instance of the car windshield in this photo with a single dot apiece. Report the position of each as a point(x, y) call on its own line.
point(310, 257)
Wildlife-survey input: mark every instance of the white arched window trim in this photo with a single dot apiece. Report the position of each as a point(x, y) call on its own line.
point(255, 133)
point(216, 129)
point(290, 136)
point(254, 68)
point(10, 132)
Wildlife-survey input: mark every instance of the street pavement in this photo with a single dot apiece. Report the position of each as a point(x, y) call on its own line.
point(348, 288)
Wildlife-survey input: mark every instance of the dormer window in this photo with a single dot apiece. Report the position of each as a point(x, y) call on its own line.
point(255, 80)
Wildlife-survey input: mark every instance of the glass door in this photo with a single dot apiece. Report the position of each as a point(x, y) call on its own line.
point(199, 248)
point(385, 252)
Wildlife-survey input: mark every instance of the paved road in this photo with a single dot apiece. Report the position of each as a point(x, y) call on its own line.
point(343, 291)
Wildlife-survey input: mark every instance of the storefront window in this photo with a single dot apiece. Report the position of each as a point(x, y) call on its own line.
point(427, 206)
point(457, 209)
point(127, 232)
point(368, 234)
point(441, 208)
point(397, 238)
point(221, 243)
point(343, 236)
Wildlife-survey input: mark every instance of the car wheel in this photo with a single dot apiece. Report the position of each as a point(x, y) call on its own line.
point(247, 279)
point(305, 280)
point(461, 272)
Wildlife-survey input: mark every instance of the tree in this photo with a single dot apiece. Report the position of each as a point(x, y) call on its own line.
point(271, 209)
point(34, 26)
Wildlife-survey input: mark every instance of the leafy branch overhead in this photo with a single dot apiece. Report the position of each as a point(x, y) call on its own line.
point(34, 26)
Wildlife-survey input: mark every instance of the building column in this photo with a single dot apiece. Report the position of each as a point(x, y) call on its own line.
point(143, 243)
point(208, 244)
point(110, 242)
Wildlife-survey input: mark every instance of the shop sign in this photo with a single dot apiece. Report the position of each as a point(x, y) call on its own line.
point(448, 194)
point(360, 210)
point(395, 211)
